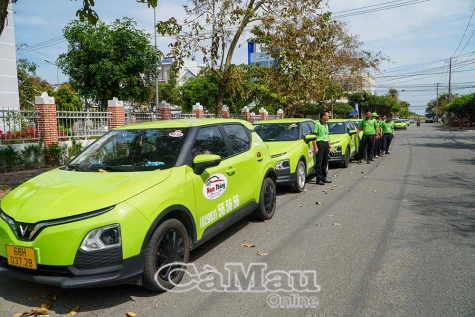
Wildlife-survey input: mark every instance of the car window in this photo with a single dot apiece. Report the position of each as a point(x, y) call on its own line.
point(306, 129)
point(311, 125)
point(351, 125)
point(210, 141)
point(357, 124)
point(336, 128)
point(278, 131)
point(132, 150)
point(238, 137)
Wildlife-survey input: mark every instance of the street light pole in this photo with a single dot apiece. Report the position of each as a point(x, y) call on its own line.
point(57, 71)
point(156, 66)
point(155, 44)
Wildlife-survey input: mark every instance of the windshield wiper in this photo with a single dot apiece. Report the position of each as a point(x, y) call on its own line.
point(74, 167)
point(120, 168)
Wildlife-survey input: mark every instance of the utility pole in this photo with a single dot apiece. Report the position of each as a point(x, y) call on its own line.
point(450, 79)
point(437, 103)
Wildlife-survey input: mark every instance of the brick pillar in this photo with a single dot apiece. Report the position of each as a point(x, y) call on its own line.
point(116, 109)
point(246, 114)
point(263, 113)
point(47, 126)
point(198, 111)
point(225, 112)
point(280, 114)
point(165, 111)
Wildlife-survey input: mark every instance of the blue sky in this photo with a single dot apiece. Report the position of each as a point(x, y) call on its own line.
point(409, 35)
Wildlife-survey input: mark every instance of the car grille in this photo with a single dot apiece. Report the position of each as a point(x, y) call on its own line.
point(98, 259)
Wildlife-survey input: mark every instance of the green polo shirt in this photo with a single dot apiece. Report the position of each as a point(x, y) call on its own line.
point(369, 126)
point(387, 127)
point(321, 130)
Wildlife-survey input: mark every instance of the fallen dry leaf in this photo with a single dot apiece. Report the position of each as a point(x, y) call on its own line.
point(73, 312)
point(101, 170)
point(363, 172)
point(318, 203)
point(337, 224)
point(300, 206)
point(334, 186)
point(305, 190)
point(335, 175)
point(262, 253)
point(248, 245)
point(40, 311)
point(130, 314)
point(266, 221)
point(374, 191)
point(17, 315)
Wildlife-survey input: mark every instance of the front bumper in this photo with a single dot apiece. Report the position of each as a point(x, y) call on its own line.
point(130, 270)
point(336, 157)
point(284, 177)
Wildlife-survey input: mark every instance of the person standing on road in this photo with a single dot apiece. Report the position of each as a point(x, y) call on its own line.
point(388, 132)
point(322, 148)
point(370, 129)
point(378, 139)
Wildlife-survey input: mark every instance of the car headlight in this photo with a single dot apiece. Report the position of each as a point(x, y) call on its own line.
point(336, 149)
point(281, 165)
point(102, 238)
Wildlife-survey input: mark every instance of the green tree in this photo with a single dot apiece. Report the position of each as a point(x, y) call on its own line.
point(463, 106)
point(437, 106)
point(66, 99)
point(29, 84)
point(106, 61)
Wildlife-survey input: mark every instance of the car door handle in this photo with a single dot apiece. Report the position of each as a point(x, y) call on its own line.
point(231, 171)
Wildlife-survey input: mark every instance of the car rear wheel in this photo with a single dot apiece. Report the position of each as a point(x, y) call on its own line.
point(168, 247)
point(267, 199)
point(346, 159)
point(300, 177)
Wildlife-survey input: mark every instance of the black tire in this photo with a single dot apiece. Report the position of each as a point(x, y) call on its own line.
point(300, 177)
point(267, 199)
point(169, 243)
point(346, 160)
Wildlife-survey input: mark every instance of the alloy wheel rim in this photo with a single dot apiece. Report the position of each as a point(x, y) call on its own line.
point(269, 195)
point(301, 175)
point(171, 248)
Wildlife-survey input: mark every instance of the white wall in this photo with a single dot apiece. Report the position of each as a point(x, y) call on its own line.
point(8, 68)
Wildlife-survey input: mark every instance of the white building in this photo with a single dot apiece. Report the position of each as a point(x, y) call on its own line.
point(9, 97)
point(189, 70)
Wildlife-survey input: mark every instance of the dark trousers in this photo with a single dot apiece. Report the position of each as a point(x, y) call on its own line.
point(387, 141)
point(377, 146)
point(322, 160)
point(367, 145)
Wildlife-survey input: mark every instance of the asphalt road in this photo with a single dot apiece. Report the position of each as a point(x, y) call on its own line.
point(394, 238)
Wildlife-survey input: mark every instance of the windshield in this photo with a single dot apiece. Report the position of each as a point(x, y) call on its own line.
point(278, 131)
point(132, 150)
point(357, 124)
point(336, 128)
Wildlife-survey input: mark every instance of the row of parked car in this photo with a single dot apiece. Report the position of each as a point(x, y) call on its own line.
point(131, 206)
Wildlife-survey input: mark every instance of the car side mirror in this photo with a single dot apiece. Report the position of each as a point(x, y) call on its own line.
point(309, 138)
point(352, 132)
point(203, 161)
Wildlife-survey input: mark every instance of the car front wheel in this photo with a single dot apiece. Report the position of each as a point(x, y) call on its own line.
point(300, 177)
point(346, 159)
point(168, 247)
point(267, 199)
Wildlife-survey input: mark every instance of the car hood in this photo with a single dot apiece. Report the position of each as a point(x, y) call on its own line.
point(281, 147)
point(337, 138)
point(60, 193)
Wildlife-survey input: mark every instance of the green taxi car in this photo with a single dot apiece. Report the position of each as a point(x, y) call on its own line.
point(131, 206)
point(357, 123)
point(400, 124)
point(291, 147)
point(343, 141)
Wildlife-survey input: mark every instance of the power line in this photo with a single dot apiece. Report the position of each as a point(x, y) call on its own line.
point(467, 41)
point(374, 5)
point(413, 31)
point(412, 2)
point(468, 24)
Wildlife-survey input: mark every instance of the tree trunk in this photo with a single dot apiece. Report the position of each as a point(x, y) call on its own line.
point(220, 101)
